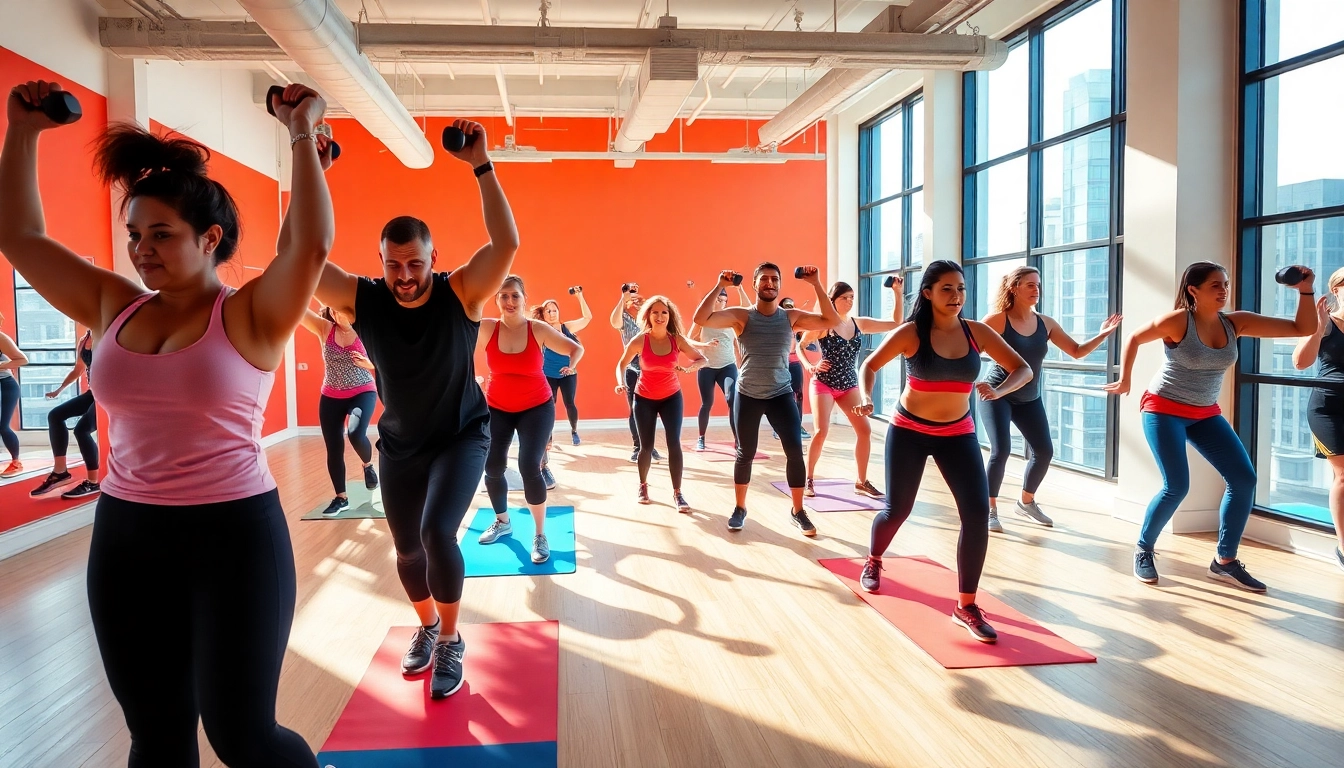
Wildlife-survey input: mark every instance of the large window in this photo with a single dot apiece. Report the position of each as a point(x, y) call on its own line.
point(48, 339)
point(1044, 135)
point(1292, 212)
point(891, 215)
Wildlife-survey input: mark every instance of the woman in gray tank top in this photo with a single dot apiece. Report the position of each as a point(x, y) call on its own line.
point(1014, 313)
point(1181, 405)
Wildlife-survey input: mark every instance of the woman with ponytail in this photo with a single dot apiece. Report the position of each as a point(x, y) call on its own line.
point(1180, 405)
point(191, 574)
point(942, 354)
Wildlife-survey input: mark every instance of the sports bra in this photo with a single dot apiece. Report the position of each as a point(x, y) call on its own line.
point(934, 373)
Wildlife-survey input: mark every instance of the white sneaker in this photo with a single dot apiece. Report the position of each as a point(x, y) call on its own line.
point(1032, 511)
point(994, 524)
point(541, 549)
point(498, 528)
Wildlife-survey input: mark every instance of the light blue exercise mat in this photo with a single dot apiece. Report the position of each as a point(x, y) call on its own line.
point(511, 555)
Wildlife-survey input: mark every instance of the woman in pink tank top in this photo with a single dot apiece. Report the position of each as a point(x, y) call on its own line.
point(191, 574)
point(658, 393)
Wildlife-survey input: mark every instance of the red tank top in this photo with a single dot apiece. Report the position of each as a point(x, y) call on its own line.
point(517, 380)
point(658, 373)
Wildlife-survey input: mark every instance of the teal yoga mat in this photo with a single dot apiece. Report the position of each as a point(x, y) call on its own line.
point(512, 555)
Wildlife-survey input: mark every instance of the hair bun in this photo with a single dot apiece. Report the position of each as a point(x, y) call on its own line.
point(126, 153)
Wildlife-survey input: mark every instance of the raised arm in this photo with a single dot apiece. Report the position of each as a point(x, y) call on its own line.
point(336, 288)
point(1019, 373)
point(11, 350)
point(615, 319)
point(705, 314)
point(874, 325)
point(479, 279)
point(558, 342)
point(1309, 347)
point(827, 318)
point(578, 325)
point(316, 324)
point(1165, 326)
point(1060, 338)
point(89, 295)
point(1304, 322)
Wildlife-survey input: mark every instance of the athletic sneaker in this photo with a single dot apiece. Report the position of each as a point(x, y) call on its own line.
point(1339, 558)
point(1032, 511)
point(808, 490)
point(1144, 568)
point(805, 435)
point(15, 467)
point(700, 443)
point(541, 548)
point(871, 578)
point(370, 478)
point(804, 524)
point(774, 434)
point(656, 455)
point(1234, 573)
point(86, 488)
point(634, 457)
point(994, 524)
point(548, 478)
point(867, 488)
point(447, 677)
point(643, 496)
point(336, 505)
point(421, 653)
point(973, 619)
point(498, 528)
point(738, 519)
point(50, 484)
point(682, 506)
point(574, 438)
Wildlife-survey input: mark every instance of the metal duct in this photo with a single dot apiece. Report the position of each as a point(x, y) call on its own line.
point(319, 38)
point(665, 80)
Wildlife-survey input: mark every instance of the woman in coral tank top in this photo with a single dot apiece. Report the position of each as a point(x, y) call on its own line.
point(191, 573)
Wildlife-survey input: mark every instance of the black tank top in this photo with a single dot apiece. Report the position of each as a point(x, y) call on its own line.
point(1032, 349)
point(842, 354)
point(425, 367)
point(935, 367)
point(1331, 357)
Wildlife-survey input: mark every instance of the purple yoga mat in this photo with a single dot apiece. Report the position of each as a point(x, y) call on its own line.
point(834, 496)
point(722, 452)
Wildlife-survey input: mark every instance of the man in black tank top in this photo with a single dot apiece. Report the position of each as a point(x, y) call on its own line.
point(420, 330)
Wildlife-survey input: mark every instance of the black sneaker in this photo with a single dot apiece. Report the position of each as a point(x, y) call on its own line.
point(547, 478)
point(656, 455)
point(1144, 569)
point(700, 443)
point(643, 497)
point(370, 478)
point(634, 457)
point(52, 482)
point(973, 620)
point(421, 653)
point(1234, 573)
point(871, 578)
point(804, 524)
point(738, 519)
point(336, 505)
point(86, 488)
point(447, 677)
point(1339, 558)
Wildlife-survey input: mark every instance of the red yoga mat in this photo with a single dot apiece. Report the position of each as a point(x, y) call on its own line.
point(724, 452)
point(510, 696)
point(917, 596)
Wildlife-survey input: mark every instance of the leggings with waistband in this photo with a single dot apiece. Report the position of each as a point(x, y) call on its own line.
point(533, 427)
point(83, 407)
point(784, 419)
point(331, 415)
point(726, 379)
point(567, 387)
point(9, 400)
point(1030, 420)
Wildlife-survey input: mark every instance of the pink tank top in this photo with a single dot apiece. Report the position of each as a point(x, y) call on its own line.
point(184, 427)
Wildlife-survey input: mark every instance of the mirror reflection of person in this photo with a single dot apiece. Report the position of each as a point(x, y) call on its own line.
point(11, 359)
point(81, 406)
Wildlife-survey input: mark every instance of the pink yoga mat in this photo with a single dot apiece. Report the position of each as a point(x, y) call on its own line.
point(917, 596)
point(834, 496)
point(722, 452)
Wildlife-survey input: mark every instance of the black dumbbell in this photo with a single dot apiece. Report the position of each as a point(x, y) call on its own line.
point(575, 289)
point(455, 139)
point(737, 279)
point(60, 106)
point(278, 92)
point(890, 281)
point(798, 273)
point(1289, 276)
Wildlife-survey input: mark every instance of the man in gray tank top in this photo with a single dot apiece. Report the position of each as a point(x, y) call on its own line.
point(765, 333)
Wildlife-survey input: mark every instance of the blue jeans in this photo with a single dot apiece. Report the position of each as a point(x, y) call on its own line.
point(1214, 439)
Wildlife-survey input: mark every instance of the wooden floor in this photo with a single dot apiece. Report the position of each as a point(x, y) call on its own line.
point(685, 645)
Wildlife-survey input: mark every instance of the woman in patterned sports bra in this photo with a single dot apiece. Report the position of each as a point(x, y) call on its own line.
point(942, 355)
point(348, 392)
point(835, 380)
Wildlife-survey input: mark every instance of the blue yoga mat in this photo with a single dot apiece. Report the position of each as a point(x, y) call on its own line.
point(531, 755)
point(511, 555)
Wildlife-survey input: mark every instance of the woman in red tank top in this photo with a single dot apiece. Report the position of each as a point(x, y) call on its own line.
point(520, 402)
point(658, 393)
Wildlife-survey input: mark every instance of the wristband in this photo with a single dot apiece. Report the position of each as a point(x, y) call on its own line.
point(483, 169)
point(1307, 293)
point(302, 137)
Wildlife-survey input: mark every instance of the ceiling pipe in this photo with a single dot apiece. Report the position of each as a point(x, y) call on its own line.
point(323, 44)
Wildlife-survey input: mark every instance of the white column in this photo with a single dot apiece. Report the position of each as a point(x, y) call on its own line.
point(942, 166)
point(127, 102)
point(842, 198)
point(1180, 207)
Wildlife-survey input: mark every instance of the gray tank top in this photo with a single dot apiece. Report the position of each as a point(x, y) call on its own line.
point(1193, 373)
point(1032, 349)
point(4, 372)
point(721, 356)
point(765, 355)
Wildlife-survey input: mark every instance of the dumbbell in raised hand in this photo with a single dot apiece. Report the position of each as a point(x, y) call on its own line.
point(278, 92)
point(576, 289)
point(1289, 276)
point(60, 106)
point(455, 139)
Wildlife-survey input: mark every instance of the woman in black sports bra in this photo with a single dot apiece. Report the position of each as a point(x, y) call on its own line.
point(934, 419)
point(1325, 409)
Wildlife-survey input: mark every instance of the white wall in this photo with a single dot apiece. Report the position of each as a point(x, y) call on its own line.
point(214, 105)
point(61, 35)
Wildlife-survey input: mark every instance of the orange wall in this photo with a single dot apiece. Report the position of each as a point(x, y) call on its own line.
point(660, 223)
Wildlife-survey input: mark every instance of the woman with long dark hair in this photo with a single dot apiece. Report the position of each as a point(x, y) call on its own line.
point(1199, 340)
point(1014, 313)
point(191, 574)
point(80, 406)
point(11, 359)
point(942, 354)
point(1325, 409)
point(835, 380)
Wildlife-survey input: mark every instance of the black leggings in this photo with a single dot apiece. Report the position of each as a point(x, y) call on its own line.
point(647, 414)
point(425, 498)
point(784, 419)
point(9, 400)
point(1035, 428)
point(726, 379)
point(632, 381)
point(83, 407)
point(534, 430)
point(568, 387)
point(192, 607)
point(331, 413)
point(796, 377)
point(958, 458)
